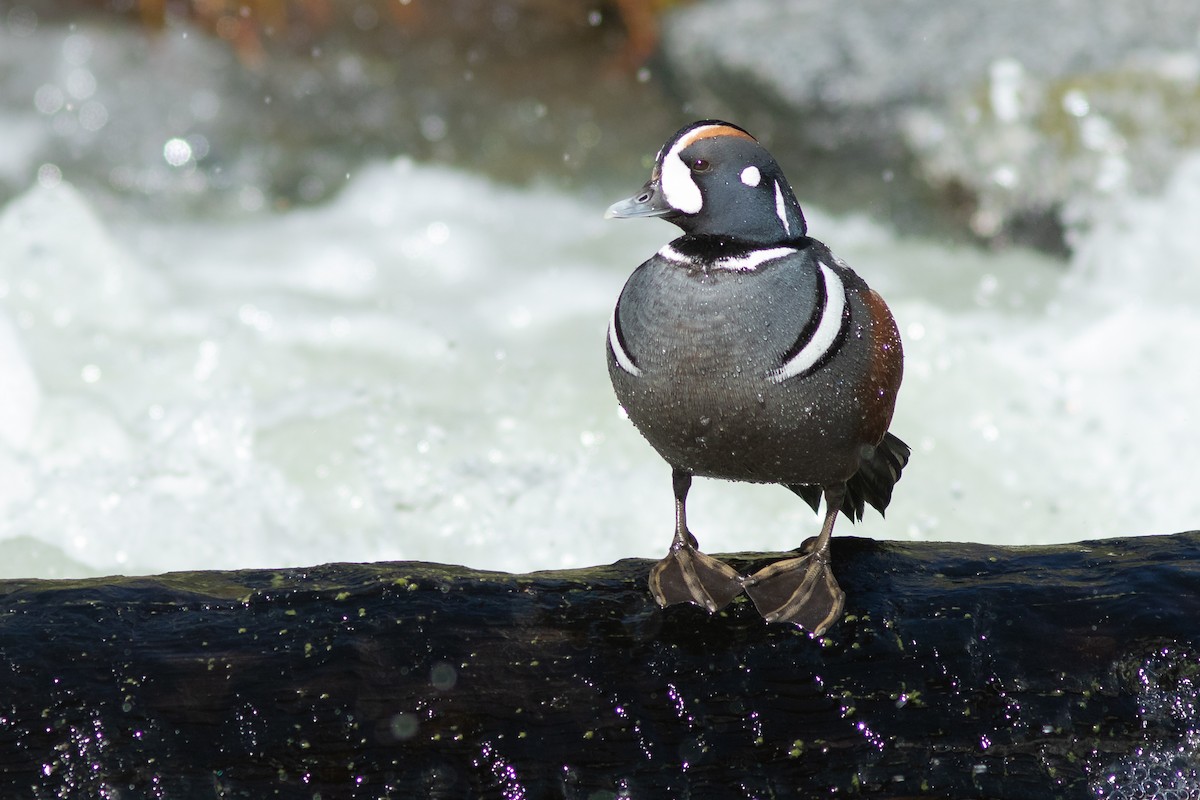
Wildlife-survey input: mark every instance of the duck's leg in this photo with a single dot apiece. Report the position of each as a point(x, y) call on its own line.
point(686, 575)
point(802, 590)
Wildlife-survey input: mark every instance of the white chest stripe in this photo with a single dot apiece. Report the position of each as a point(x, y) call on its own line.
point(826, 334)
point(614, 341)
point(747, 263)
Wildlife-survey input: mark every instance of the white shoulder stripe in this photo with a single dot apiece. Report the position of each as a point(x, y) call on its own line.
point(614, 341)
point(826, 334)
point(744, 263)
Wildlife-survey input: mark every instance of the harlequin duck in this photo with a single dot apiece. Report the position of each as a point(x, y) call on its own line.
point(746, 350)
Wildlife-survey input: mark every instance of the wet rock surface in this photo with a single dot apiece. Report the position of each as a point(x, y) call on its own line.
point(960, 670)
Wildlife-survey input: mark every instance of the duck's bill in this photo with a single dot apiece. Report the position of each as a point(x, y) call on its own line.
point(649, 202)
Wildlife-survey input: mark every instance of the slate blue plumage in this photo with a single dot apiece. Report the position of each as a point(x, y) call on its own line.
point(746, 350)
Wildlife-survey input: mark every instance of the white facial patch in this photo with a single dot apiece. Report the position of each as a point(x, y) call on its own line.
point(678, 188)
point(781, 209)
point(680, 191)
point(826, 334)
point(751, 176)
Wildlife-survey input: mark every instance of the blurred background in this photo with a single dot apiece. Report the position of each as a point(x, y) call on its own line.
point(293, 281)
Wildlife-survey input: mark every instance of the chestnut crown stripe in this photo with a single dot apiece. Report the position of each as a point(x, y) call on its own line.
point(708, 132)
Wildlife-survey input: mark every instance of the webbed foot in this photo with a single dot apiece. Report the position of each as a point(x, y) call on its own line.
point(688, 576)
point(800, 590)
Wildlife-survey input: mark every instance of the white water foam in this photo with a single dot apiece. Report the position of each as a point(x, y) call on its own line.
point(415, 371)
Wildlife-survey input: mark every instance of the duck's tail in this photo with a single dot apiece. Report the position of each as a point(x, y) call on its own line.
point(878, 472)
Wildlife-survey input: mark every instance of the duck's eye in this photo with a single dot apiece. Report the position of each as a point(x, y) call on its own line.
point(700, 165)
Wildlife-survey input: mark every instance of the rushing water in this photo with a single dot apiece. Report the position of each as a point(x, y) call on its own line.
point(414, 369)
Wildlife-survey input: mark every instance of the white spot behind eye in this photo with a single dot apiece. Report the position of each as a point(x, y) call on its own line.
point(751, 176)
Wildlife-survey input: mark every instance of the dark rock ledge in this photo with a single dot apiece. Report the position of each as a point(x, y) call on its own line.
point(961, 670)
